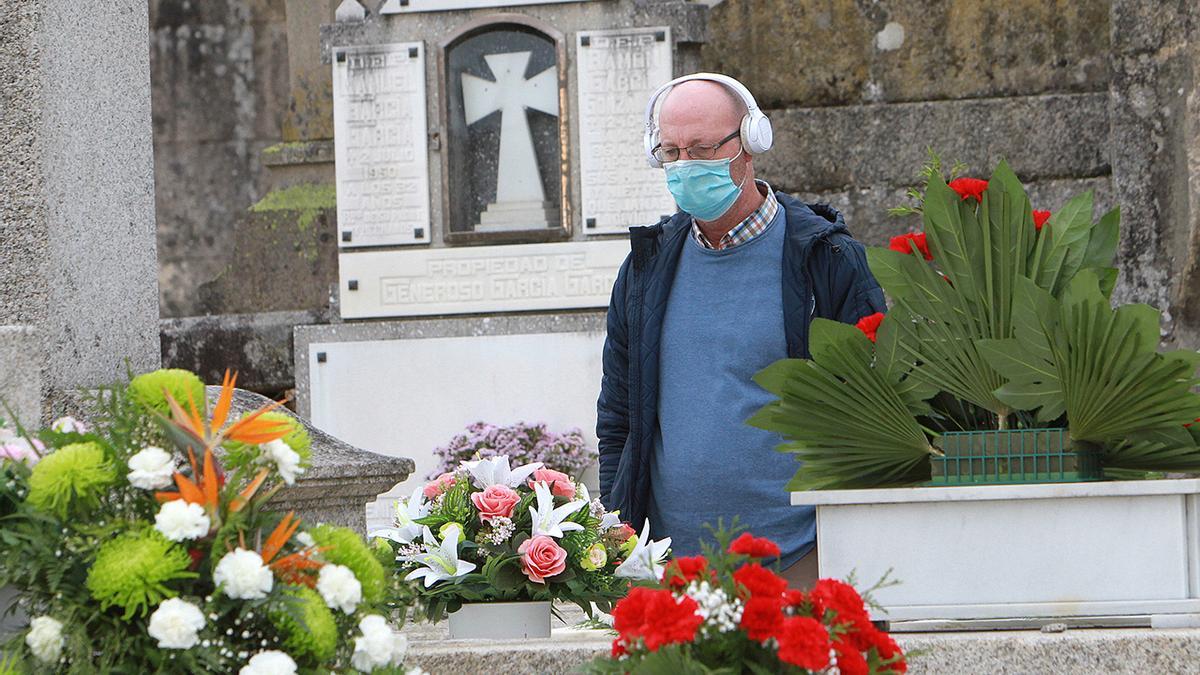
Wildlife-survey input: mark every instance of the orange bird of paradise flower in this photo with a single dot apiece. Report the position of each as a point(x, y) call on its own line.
point(204, 488)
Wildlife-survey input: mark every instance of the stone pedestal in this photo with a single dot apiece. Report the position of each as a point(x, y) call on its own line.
point(341, 480)
point(78, 274)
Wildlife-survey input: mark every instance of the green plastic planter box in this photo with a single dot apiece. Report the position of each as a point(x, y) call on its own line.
point(1004, 457)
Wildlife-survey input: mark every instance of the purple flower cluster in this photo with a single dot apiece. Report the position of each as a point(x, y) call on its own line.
point(523, 443)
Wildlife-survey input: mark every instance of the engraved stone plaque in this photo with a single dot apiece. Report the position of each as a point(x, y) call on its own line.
point(517, 277)
point(409, 6)
point(380, 145)
point(618, 70)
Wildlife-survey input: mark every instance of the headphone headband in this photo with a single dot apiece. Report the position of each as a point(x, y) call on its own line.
point(756, 135)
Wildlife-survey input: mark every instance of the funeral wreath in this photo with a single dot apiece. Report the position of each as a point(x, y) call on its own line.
point(145, 544)
point(490, 532)
point(1001, 359)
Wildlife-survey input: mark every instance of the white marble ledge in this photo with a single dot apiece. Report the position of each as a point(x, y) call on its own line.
point(977, 493)
point(1072, 652)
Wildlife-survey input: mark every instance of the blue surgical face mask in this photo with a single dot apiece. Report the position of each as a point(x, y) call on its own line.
point(703, 187)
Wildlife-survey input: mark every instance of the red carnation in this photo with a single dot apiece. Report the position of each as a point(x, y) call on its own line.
point(870, 324)
point(1040, 218)
point(793, 598)
point(761, 618)
point(803, 642)
point(902, 244)
point(887, 649)
point(848, 609)
point(850, 661)
point(656, 617)
point(759, 581)
point(682, 571)
point(969, 188)
point(755, 547)
point(618, 648)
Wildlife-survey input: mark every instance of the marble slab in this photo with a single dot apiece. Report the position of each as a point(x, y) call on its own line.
point(618, 70)
point(468, 280)
point(380, 145)
point(413, 6)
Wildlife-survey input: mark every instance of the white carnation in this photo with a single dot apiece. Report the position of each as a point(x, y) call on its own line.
point(151, 469)
point(176, 624)
point(270, 662)
point(178, 520)
point(45, 638)
point(379, 646)
point(242, 575)
point(306, 540)
point(286, 460)
point(69, 425)
point(339, 587)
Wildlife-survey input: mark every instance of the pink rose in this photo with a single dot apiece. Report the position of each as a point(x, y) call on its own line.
point(541, 557)
point(560, 483)
point(497, 501)
point(439, 485)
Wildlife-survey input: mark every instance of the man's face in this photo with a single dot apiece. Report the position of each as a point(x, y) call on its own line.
point(701, 112)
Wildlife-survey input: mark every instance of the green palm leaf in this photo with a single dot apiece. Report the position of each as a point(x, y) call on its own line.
point(844, 416)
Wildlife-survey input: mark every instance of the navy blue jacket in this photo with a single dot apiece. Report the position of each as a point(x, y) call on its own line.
point(825, 274)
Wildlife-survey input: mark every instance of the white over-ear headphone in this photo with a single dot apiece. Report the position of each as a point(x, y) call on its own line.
point(756, 132)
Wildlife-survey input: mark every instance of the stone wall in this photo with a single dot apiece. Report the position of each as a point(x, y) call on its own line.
point(78, 289)
point(1077, 95)
point(220, 76)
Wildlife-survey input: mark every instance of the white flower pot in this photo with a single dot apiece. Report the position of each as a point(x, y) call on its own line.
point(501, 621)
point(1116, 553)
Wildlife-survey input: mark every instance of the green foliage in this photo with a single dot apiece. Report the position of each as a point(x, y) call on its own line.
point(150, 389)
point(308, 626)
point(343, 546)
point(71, 479)
point(133, 571)
point(1101, 367)
point(849, 411)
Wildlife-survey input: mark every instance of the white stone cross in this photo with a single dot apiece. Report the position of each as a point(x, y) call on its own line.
point(518, 179)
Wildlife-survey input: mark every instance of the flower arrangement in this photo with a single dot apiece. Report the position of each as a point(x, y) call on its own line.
point(1001, 322)
point(135, 549)
point(522, 443)
point(489, 532)
point(725, 612)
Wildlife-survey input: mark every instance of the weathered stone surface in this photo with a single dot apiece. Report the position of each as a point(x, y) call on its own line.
point(78, 231)
point(220, 89)
point(257, 346)
point(22, 362)
point(834, 52)
point(866, 208)
point(1154, 68)
point(342, 478)
point(283, 256)
point(1055, 136)
point(1126, 651)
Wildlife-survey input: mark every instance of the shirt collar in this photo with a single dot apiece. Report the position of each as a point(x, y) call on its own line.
point(752, 226)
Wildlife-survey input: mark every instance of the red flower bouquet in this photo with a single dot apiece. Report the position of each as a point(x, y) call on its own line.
point(725, 611)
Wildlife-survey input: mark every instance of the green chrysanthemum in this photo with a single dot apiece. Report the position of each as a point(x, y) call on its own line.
point(297, 438)
point(72, 477)
point(343, 546)
point(306, 624)
point(132, 571)
point(183, 385)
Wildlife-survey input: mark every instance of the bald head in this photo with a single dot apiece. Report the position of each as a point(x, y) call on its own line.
point(699, 111)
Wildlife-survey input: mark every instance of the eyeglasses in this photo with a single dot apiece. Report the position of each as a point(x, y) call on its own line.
point(667, 154)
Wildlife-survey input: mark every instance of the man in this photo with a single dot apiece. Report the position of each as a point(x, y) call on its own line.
point(706, 299)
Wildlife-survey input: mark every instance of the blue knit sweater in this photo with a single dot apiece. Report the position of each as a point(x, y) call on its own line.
point(723, 323)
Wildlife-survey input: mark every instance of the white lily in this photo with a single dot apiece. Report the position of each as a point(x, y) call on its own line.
point(495, 471)
point(407, 512)
point(610, 520)
point(645, 561)
point(548, 520)
point(440, 560)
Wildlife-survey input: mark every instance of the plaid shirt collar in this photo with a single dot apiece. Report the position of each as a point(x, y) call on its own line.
point(751, 227)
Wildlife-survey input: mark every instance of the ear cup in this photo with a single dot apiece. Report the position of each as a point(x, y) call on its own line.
point(747, 134)
point(649, 140)
point(764, 137)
